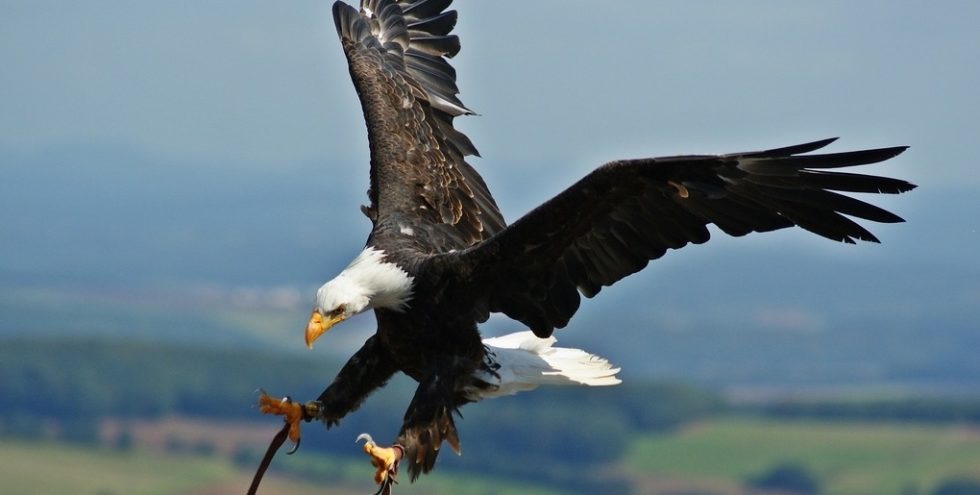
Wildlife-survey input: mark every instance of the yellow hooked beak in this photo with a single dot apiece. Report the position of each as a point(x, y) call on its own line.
point(319, 325)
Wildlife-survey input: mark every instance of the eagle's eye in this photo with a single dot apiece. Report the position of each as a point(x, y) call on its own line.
point(339, 310)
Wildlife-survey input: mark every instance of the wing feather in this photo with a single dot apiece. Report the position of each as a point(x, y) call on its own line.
point(397, 52)
point(612, 222)
point(421, 9)
point(438, 24)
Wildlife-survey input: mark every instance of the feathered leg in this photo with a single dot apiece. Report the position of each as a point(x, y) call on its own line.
point(366, 371)
point(429, 421)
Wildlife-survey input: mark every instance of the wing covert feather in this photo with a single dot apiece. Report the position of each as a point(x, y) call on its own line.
point(622, 215)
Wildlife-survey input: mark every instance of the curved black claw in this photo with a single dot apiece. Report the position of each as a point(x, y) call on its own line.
point(386, 486)
point(295, 446)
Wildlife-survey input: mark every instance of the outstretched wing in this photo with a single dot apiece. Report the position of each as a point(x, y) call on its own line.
point(397, 53)
point(624, 214)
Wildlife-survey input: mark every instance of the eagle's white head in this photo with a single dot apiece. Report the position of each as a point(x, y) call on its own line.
point(368, 282)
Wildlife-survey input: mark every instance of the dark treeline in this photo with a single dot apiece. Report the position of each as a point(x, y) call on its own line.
point(919, 410)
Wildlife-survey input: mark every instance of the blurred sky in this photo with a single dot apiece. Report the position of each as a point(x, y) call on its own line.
point(252, 83)
point(258, 88)
point(222, 142)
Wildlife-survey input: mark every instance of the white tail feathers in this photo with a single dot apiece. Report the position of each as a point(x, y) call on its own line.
point(527, 361)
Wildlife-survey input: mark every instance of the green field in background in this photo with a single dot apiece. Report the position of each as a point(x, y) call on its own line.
point(848, 458)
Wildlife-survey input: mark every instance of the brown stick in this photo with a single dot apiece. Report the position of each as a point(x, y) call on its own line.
point(277, 442)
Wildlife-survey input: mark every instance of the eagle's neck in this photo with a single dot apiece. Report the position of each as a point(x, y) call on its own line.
point(384, 283)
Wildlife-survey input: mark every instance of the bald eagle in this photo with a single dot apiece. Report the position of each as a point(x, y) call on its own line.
point(440, 258)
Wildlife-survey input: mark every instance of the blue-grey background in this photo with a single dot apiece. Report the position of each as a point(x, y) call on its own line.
point(191, 171)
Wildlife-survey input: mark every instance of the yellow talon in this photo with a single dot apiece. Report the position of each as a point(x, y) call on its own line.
point(384, 459)
point(291, 412)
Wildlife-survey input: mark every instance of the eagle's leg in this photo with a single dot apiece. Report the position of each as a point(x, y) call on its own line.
point(369, 368)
